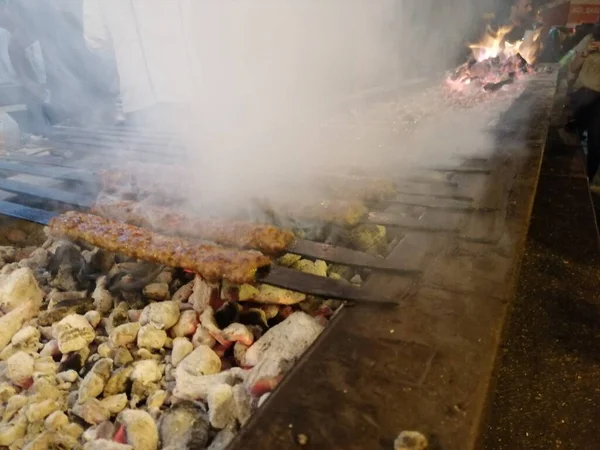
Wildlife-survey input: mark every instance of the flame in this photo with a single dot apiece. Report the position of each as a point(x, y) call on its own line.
point(493, 45)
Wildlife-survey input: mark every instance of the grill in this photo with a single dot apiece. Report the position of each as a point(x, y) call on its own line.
point(424, 365)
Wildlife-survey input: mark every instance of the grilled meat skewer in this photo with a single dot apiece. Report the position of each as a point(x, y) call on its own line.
point(211, 262)
point(265, 238)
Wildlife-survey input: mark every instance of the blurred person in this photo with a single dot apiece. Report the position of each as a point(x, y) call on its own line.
point(518, 16)
point(154, 52)
point(549, 38)
point(585, 98)
point(23, 67)
point(75, 79)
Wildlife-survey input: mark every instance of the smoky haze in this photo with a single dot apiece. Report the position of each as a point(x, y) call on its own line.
point(286, 93)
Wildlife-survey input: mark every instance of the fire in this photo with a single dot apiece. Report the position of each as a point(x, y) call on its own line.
point(496, 62)
point(492, 45)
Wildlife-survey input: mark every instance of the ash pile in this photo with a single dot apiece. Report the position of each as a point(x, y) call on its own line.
point(99, 350)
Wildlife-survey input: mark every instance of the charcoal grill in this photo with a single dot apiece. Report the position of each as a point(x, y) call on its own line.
point(374, 372)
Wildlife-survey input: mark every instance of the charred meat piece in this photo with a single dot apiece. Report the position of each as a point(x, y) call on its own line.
point(211, 262)
point(266, 238)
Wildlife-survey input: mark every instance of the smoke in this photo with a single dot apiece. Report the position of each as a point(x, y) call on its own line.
point(281, 94)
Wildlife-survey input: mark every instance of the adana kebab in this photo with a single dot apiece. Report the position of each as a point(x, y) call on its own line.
point(266, 238)
point(211, 262)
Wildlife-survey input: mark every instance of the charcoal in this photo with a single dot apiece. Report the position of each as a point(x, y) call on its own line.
point(185, 425)
point(254, 316)
point(227, 314)
point(63, 309)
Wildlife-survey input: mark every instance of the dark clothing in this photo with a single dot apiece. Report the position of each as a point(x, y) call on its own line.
point(585, 104)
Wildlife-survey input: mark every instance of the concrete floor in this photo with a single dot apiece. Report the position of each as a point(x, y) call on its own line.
point(548, 387)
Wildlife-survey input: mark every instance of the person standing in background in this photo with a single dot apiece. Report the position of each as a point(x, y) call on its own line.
point(519, 16)
point(154, 51)
point(585, 98)
point(75, 80)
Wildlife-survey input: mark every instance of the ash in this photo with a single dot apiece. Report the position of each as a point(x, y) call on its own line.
point(101, 352)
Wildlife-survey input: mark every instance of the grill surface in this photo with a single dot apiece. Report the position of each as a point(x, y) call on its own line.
point(374, 372)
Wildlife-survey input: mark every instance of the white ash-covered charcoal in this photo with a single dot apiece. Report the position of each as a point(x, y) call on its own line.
point(317, 267)
point(92, 411)
point(118, 381)
point(106, 444)
point(14, 404)
point(115, 403)
point(93, 317)
point(368, 238)
point(282, 344)
point(20, 368)
point(117, 316)
point(12, 431)
point(27, 339)
point(104, 430)
point(58, 310)
point(221, 406)
point(146, 375)
point(8, 254)
point(44, 365)
point(55, 297)
point(11, 323)
point(223, 438)
point(202, 294)
point(40, 410)
point(166, 276)
point(163, 315)
point(181, 348)
point(18, 287)
point(73, 333)
point(186, 325)
point(190, 386)
point(64, 279)
point(156, 291)
point(184, 292)
point(184, 425)
point(56, 420)
point(151, 337)
point(239, 353)
point(122, 357)
point(38, 259)
point(140, 429)
point(242, 403)
point(288, 260)
point(125, 334)
point(94, 382)
point(208, 322)
point(203, 337)
point(236, 332)
point(155, 401)
point(103, 299)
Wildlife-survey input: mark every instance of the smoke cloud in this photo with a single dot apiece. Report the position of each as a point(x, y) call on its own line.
point(286, 93)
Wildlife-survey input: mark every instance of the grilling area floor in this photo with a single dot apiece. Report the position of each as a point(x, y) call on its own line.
point(547, 390)
point(503, 285)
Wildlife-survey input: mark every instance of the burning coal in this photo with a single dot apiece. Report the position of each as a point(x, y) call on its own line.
point(495, 62)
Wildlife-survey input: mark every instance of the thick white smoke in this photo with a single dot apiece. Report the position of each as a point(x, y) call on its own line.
point(287, 92)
